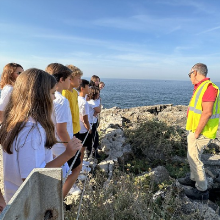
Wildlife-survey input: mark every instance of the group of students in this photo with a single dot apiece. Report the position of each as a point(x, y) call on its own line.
point(47, 119)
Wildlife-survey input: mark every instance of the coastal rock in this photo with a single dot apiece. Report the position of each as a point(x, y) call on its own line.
point(173, 118)
point(213, 160)
point(106, 166)
point(159, 174)
point(113, 144)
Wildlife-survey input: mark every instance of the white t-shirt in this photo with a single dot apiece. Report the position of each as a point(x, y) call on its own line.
point(83, 110)
point(62, 115)
point(5, 95)
point(29, 152)
point(93, 104)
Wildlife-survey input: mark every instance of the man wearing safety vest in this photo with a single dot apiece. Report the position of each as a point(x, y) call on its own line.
point(202, 124)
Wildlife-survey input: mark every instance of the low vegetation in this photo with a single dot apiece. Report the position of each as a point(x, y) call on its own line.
point(131, 193)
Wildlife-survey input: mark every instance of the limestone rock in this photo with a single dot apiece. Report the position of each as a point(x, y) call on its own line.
point(159, 174)
point(209, 159)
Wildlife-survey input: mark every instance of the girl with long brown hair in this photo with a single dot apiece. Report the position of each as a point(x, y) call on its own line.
point(27, 132)
point(9, 75)
point(94, 102)
point(94, 81)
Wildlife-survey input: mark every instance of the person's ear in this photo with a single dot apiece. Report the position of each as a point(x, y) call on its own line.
point(61, 80)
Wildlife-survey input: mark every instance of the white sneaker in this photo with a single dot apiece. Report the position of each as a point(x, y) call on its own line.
point(85, 169)
point(81, 177)
point(75, 190)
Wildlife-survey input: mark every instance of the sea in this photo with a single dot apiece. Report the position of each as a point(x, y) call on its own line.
point(128, 93)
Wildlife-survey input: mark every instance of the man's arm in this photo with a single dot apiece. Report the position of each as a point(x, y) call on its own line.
point(207, 108)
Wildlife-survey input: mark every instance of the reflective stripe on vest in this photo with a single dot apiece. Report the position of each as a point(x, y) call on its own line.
point(195, 112)
point(198, 111)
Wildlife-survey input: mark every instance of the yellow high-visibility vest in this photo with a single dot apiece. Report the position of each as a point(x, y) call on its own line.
point(195, 111)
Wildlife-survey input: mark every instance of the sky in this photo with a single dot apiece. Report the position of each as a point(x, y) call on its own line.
point(127, 39)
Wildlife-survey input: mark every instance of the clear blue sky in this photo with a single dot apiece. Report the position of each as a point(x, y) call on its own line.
point(149, 39)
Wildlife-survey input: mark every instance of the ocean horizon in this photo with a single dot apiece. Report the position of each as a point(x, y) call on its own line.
point(128, 93)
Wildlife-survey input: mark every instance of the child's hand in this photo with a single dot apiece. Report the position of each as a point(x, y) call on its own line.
point(1, 207)
point(73, 146)
point(2, 203)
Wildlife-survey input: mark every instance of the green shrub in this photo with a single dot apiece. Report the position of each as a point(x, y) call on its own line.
point(156, 140)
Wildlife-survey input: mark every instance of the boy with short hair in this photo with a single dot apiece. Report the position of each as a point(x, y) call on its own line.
point(84, 116)
point(63, 121)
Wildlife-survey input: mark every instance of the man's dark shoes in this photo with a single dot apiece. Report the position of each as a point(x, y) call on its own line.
point(187, 181)
point(196, 194)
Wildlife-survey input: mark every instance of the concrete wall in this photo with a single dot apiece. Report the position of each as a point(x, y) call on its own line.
point(40, 193)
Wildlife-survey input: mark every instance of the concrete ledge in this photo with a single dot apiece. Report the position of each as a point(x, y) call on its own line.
point(38, 196)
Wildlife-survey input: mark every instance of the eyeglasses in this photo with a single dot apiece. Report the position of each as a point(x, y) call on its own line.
point(190, 74)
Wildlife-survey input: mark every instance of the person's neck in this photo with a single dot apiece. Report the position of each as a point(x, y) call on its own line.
point(59, 88)
point(71, 88)
point(82, 94)
point(199, 79)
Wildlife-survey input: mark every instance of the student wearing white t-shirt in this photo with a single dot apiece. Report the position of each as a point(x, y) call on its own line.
point(9, 75)
point(31, 137)
point(94, 110)
point(63, 120)
point(84, 117)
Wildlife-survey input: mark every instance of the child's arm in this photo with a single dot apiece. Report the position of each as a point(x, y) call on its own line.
point(71, 148)
point(1, 116)
point(2, 202)
point(62, 132)
point(97, 109)
point(86, 122)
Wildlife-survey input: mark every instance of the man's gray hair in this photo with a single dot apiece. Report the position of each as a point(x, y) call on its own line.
point(201, 68)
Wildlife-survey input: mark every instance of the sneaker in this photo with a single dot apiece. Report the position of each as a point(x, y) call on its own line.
point(85, 169)
point(187, 181)
point(86, 163)
point(81, 177)
point(75, 190)
point(196, 194)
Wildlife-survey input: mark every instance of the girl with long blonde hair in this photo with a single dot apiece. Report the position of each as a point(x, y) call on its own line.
point(27, 132)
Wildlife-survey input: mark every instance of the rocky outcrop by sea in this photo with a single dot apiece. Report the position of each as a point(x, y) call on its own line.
point(113, 143)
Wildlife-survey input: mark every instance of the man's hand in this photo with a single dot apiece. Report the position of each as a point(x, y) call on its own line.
point(196, 135)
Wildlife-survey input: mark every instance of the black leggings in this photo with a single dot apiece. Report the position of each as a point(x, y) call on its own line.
point(95, 135)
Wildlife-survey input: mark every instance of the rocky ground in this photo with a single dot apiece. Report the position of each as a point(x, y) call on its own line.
point(117, 150)
point(115, 120)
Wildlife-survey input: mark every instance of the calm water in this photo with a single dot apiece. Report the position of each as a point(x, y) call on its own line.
point(127, 93)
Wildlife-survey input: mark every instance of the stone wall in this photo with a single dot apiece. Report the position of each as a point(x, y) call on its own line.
point(39, 197)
